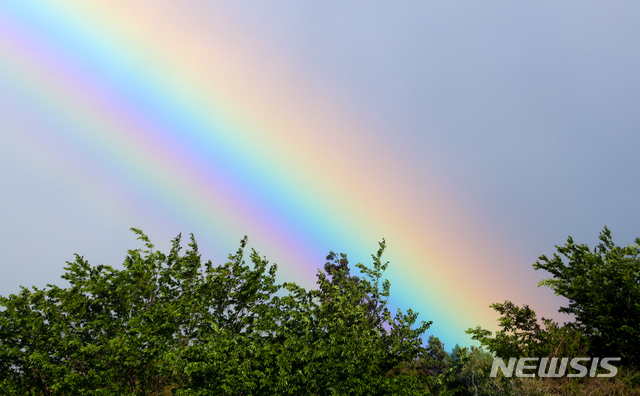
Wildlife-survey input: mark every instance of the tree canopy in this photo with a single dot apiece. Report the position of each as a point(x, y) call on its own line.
point(603, 289)
point(171, 321)
point(174, 324)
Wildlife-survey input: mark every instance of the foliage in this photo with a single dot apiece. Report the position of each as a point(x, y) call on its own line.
point(522, 335)
point(603, 289)
point(108, 333)
point(171, 322)
point(470, 371)
point(338, 339)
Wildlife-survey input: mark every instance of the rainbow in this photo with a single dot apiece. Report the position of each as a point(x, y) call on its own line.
point(221, 134)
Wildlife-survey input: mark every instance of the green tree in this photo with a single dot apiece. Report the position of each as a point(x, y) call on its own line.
point(339, 339)
point(170, 321)
point(121, 331)
point(523, 335)
point(240, 334)
point(603, 289)
point(520, 334)
point(357, 339)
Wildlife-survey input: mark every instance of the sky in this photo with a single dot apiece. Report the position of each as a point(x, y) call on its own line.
point(472, 136)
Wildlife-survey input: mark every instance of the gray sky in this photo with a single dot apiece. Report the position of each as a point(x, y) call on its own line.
point(527, 111)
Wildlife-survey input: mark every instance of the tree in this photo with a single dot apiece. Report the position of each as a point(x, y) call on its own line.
point(337, 339)
point(522, 335)
point(170, 321)
point(121, 331)
point(603, 289)
point(357, 340)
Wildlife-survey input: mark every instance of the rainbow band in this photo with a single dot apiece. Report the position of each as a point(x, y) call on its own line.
point(219, 134)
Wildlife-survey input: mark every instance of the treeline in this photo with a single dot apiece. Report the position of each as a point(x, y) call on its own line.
point(171, 324)
point(602, 287)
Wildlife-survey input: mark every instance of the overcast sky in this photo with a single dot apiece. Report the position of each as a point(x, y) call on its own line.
point(528, 111)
